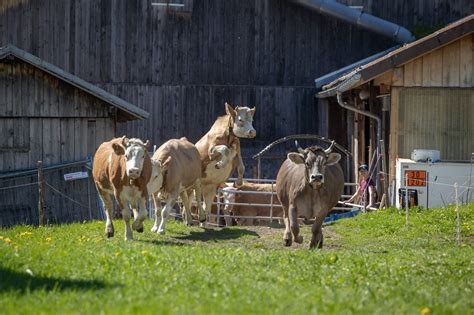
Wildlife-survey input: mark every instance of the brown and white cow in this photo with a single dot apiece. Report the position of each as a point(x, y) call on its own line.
point(219, 150)
point(122, 167)
point(309, 184)
point(176, 169)
point(231, 195)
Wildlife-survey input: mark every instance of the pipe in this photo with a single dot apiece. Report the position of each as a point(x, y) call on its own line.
point(367, 114)
point(366, 21)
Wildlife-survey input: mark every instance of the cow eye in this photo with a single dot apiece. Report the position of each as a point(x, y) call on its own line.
point(307, 164)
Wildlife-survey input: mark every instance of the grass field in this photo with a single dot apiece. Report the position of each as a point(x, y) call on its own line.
point(370, 264)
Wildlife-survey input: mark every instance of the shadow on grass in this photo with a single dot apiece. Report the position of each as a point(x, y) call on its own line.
point(214, 234)
point(164, 243)
point(11, 280)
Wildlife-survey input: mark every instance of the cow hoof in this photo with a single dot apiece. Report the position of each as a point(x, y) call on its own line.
point(287, 242)
point(109, 233)
point(299, 239)
point(154, 229)
point(202, 224)
point(161, 231)
point(140, 230)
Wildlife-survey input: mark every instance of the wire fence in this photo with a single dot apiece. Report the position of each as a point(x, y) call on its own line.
point(65, 200)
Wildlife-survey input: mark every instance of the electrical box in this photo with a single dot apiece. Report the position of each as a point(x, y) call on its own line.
point(432, 184)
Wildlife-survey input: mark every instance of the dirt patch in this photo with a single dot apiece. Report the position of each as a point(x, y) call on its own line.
point(261, 237)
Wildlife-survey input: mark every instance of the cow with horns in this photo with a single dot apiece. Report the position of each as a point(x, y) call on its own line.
point(309, 184)
point(122, 167)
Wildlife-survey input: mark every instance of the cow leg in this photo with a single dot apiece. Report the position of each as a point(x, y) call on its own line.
point(157, 203)
point(240, 170)
point(140, 216)
point(287, 235)
point(108, 206)
point(294, 226)
point(317, 238)
point(126, 218)
point(208, 193)
point(166, 211)
point(198, 195)
point(186, 211)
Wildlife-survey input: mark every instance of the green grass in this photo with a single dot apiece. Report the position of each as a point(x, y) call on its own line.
point(370, 264)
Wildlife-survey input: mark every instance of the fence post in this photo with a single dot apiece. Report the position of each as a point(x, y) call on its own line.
point(458, 221)
point(271, 206)
point(40, 193)
point(406, 200)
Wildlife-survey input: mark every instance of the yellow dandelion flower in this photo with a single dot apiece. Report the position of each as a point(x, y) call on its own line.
point(1, 237)
point(117, 254)
point(48, 239)
point(144, 252)
point(7, 240)
point(425, 311)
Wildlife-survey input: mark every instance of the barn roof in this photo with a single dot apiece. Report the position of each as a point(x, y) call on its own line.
point(373, 67)
point(129, 111)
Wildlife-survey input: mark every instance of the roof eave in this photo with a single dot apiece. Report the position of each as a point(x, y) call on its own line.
point(122, 105)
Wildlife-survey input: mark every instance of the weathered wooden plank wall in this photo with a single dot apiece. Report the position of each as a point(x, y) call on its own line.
point(44, 118)
point(449, 66)
point(182, 68)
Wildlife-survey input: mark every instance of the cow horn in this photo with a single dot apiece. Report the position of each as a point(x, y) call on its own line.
point(328, 150)
point(300, 149)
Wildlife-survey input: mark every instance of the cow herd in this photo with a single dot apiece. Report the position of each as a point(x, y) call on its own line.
point(308, 185)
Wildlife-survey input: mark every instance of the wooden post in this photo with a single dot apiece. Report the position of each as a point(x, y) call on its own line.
point(458, 221)
point(40, 193)
point(386, 176)
point(406, 200)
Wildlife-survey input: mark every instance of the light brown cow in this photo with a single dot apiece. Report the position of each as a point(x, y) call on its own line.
point(176, 169)
point(231, 195)
point(122, 167)
point(309, 184)
point(219, 150)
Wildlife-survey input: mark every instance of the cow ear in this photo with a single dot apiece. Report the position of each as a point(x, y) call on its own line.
point(147, 144)
point(296, 158)
point(124, 141)
point(333, 158)
point(166, 164)
point(252, 111)
point(118, 149)
point(229, 110)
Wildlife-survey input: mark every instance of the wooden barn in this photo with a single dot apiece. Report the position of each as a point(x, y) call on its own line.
point(181, 63)
point(420, 95)
point(49, 115)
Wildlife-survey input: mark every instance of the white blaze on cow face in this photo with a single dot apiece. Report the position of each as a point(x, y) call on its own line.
point(315, 162)
point(243, 119)
point(135, 151)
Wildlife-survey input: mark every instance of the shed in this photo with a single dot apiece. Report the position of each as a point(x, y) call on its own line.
point(50, 115)
point(422, 93)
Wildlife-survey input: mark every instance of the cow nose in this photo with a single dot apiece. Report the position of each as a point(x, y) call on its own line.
point(134, 172)
point(252, 133)
point(316, 178)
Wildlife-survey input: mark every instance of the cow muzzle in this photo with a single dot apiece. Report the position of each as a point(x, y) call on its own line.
point(252, 133)
point(134, 173)
point(316, 180)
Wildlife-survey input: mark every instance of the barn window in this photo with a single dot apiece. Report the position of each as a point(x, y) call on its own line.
point(15, 134)
point(175, 7)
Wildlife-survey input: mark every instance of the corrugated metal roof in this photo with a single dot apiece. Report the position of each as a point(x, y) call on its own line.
point(402, 55)
point(131, 111)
